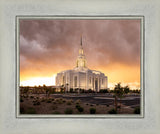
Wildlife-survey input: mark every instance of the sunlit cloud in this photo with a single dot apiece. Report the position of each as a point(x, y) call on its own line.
point(51, 46)
point(36, 81)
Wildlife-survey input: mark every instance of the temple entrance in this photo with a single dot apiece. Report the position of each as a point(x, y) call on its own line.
point(96, 84)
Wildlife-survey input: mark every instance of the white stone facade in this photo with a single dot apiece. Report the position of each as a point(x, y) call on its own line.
point(81, 77)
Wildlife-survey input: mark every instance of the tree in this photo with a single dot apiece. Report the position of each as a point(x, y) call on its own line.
point(53, 90)
point(67, 86)
point(118, 93)
point(126, 90)
point(62, 88)
point(45, 89)
point(71, 90)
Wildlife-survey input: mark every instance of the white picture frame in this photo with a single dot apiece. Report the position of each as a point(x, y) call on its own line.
point(9, 123)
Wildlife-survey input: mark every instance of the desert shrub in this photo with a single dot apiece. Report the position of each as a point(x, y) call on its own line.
point(78, 101)
point(54, 102)
point(91, 105)
point(80, 109)
point(31, 97)
point(22, 110)
point(21, 100)
point(112, 111)
point(60, 101)
point(43, 100)
point(92, 110)
point(137, 110)
point(30, 110)
point(56, 112)
point(36, 102)
point(71, 101)
point(57, 99)
point(68, 111)
point(97, 104)
point(52, 99)
point(68, 103)
point(54, 107)
point(107, 105)
point(48, 101)
point(64, 101)
point(119, 106)
point(25, 96)
point(87, 104)
point(77, 105)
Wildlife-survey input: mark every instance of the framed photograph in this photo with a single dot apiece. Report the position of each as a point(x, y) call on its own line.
point(113, 46)
point(79, 67)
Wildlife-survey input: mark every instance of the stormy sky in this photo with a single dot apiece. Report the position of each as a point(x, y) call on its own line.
point(50, 46)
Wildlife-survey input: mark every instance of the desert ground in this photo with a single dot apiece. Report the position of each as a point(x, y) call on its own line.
point(72, 103)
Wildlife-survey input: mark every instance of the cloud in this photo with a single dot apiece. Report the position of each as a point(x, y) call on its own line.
point(53, 44)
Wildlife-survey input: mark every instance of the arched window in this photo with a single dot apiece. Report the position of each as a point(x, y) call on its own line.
point(90, 80)
point(75, 81)
point(93, 82)
point(63, 80)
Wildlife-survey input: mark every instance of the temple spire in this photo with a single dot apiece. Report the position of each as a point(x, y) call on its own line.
point(81, 60)
point(81, 40)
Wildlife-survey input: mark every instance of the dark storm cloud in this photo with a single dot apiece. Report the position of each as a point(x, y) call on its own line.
point(56, 42)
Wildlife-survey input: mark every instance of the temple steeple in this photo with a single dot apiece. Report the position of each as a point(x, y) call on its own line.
point(81, 60)
point(81, 40)
point(81, 48)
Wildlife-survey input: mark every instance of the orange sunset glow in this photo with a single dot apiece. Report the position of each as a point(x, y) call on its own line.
point(51, 46)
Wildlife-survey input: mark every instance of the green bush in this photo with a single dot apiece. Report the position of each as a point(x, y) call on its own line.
point(30, 110)
point(80, 109)
point(137, 110)
point(77, 105)
point(56, 112)
point(21, 100)
point(92, 110)
point(68, 111)
point(112, 111)
point(119, 106)
point(49, 101)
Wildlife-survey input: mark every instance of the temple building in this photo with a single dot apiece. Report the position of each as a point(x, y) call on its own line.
point(81, 77)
